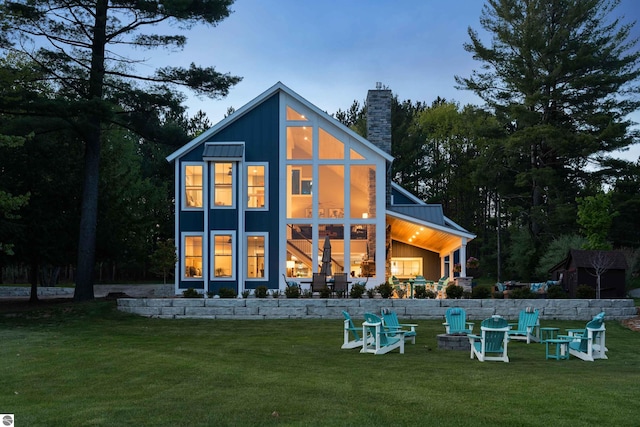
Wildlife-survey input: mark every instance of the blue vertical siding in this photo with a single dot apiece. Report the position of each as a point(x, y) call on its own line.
point(259, 130)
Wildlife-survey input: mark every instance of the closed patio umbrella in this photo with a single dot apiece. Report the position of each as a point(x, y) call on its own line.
point(326, 257)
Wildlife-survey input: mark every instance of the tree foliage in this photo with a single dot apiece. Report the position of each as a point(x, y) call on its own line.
point(562, 77)
point(77, 46)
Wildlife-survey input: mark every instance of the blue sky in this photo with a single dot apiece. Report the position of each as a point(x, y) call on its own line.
point(332, 51)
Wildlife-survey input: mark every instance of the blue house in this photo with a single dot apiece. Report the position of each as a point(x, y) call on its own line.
point(257, 194)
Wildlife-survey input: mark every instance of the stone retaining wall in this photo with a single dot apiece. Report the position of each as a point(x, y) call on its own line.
point(43, 292)
point(407, 309)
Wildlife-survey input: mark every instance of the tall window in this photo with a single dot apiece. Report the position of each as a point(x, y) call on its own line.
point(193, 256)
point(256, 187)
point(193, 186)
point(222, 255)
point(256, 256)
point(223, 184)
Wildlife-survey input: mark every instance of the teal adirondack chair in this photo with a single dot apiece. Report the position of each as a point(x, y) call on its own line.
point(491, 345)
point(383, 340)
point(456, 321)
point(391, 322)
point(588, 343)
point(528, 326)
point(352, 338)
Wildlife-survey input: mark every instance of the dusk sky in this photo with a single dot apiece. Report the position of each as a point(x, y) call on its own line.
point(332, 51)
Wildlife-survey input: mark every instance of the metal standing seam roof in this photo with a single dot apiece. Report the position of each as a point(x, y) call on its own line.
point(428, 213)
point(223, 151)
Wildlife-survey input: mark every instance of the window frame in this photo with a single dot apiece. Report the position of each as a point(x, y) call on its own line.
point(183, 256)
point(249, 235)
point(183, 185)
point(234, 183)
point(233, 255)
point(247, 168)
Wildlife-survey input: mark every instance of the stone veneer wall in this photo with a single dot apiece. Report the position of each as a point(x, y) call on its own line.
point(407, 309)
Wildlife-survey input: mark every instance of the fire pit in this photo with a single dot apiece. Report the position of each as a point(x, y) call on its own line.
point(458, 342)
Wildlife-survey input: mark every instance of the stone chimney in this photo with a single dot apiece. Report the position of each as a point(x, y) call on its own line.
point(379, 126)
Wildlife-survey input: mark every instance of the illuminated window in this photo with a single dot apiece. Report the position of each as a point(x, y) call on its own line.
point(299, 142)
point(329, 146)
point(193, 186)
point(223, 256)
point(363, 191)
point(294, 115)
point(192, 257)
point(256, 187)
point(406, 267)
point(223, 184)
point(256, 256)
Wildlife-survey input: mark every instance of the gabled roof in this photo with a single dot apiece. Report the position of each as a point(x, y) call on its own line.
point(278, 87)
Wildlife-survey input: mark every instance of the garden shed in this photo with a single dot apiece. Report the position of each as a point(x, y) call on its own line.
point(582, 267)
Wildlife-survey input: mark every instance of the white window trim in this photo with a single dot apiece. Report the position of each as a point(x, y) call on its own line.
point(234, 184)
point(183, 186)
point(247, 235)
point(234, 254)
point(247, 166)
point(183, 257)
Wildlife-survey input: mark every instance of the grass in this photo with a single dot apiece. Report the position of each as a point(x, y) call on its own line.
point(89, 365)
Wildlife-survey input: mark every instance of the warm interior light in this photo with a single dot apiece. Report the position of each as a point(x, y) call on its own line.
point(365, 215)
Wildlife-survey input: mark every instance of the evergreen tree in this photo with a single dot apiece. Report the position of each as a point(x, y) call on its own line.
point(562, 77)
point(75, 44)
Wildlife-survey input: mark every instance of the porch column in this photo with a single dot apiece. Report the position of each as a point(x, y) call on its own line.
point(463, 258)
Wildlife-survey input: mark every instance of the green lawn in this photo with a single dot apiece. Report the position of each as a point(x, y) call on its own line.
point(89, 365)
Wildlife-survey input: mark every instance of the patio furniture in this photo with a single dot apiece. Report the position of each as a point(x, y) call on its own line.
point(352, 338)
point(491, 345)
point(383, 340)
point(290, 283)
point(588, 343)
point(556, 348)
point(456, 321)
point(528, 326)
point(548, 334)
point(391, 322)
point(319, 282)
point(341, 284)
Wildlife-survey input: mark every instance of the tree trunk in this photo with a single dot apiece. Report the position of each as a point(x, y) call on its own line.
point(89, 207)
point(33, 280)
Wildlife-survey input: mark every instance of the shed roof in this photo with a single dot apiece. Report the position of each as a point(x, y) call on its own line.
point(221, 151)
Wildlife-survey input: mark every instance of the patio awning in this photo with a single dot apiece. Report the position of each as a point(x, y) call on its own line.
point(426, 229)
point(223, 151)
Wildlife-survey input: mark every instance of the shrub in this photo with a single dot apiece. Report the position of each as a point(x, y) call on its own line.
point(275, 293)
point(191, 293)
point(556, 292)
point(325, 292)
point(260, 291)
point(292, 292)
point(371, 292)
point(522, 293)
point(585, 292)
point(385, 290)
point(245, 293)
point(420, 292)
point(498, 295)
point(430, 294)
point(480, 292)
point(307, 293)
point(227, 293)
point(357, 290)
point(454, 291)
